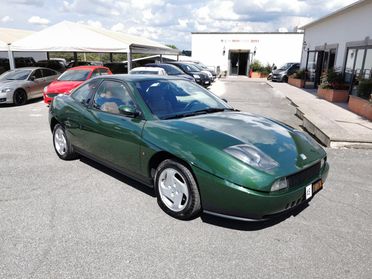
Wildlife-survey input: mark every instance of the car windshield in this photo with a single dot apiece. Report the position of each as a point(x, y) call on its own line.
point(189, 68)
point(16, 75)
point(172, 70)
point(178, 98)
point(76, 75)
point(285, 66)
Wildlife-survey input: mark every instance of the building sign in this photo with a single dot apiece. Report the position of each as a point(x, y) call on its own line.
point(241, 41)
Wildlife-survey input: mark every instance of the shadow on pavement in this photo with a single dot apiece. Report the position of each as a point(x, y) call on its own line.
point(251, 225)
point(29, 102)
point(125, 179)
point(206, 218)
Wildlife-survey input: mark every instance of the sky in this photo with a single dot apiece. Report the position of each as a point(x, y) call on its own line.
point(168, 22)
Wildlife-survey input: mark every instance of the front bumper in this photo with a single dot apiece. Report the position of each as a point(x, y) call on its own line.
point(6, 98)
point(223, 198)
point(277, 77)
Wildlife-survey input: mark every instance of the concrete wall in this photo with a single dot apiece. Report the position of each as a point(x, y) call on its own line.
point(277, 48)
point(352, 25)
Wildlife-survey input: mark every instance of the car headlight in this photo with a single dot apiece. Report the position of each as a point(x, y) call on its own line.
point(6, 90)
point(279, 184)
point(196, 76)
point(251, 156)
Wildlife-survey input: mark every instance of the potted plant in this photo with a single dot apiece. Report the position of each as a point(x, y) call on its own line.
point(256, 69)
point(332, 87)
point(297, 79)
point(362, 103)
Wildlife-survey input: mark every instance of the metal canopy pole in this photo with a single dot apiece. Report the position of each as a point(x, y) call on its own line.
point(11, 58)
point(75, 59)
point(129, 59)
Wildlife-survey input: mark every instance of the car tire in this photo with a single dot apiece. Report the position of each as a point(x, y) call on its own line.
point(20, 97)
point(61, 144)
point(285, 79)
point(176, 190)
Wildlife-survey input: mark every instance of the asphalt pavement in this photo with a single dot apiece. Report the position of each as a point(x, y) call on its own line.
point(78, 219)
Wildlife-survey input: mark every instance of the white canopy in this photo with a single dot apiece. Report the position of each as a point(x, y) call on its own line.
point(70, 37)
point(74, 37)
point(8, 36)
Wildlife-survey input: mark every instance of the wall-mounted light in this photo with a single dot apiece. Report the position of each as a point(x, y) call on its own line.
point(224, 50)
point(255, 50)
point(304, 44)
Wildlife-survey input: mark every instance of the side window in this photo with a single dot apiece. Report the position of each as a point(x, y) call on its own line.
point(95, 73)
point(111, 95)
point(84, 93)
point(103, 72)
point(48, 73)
point(37, 74)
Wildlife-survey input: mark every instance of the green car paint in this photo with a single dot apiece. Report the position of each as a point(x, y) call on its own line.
point(227, 185)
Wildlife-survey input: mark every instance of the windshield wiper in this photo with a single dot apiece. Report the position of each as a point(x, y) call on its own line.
point(198, 112)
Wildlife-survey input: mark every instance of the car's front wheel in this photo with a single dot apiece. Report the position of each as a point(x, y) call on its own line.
point(61, 144)
point(20, 97)
point(176, 190)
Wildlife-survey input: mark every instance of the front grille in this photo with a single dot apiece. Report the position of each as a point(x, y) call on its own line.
point(52, 95)
point(305, 176)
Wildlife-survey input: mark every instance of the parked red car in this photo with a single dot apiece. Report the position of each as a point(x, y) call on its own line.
point(71, 79)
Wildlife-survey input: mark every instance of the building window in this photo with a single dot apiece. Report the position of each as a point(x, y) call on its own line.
point(358, 65)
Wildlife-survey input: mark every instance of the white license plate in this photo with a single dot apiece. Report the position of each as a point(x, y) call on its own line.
point(308, 191)
point(206, 82)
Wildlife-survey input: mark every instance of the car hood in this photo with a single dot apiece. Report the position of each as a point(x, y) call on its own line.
point(60, 86)
point(278, 71)
point(11, 83)
point(290, 148)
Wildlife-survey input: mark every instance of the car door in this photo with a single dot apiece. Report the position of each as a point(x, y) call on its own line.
point(36, 83)
point(113, 137)
point(78, 118)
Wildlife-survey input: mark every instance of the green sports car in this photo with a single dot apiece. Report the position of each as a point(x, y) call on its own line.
point(195, 150)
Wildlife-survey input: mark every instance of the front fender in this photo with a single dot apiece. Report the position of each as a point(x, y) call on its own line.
point(201, 155)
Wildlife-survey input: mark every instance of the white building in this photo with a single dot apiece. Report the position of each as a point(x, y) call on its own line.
point(341, 40)
point(233, 52)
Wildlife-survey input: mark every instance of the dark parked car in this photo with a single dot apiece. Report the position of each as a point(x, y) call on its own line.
point(200, 77)
point(196, 151)
point(51, 64)
point(117, 67)
point(171, 70)
point(285, 71)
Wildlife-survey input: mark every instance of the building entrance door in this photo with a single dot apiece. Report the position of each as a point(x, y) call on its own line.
point(238, 62)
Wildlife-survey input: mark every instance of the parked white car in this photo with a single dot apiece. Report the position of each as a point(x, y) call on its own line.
point(148, 71)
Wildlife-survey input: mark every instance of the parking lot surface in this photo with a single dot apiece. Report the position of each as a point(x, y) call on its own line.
point(78, 219)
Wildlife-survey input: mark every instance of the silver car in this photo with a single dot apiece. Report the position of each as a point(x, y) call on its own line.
point(19, 85)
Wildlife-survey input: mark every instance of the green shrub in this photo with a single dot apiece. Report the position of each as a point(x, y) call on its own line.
point(299, 74)
point(364, 88)
point(256, 66)
point(332, 80)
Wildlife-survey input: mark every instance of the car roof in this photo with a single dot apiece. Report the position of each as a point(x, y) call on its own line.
point(33, 68)
point(135, 78)
point(87, 67)
point(148, 68)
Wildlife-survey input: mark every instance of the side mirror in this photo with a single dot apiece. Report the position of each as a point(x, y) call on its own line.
point(32, 78)
point(129, 111)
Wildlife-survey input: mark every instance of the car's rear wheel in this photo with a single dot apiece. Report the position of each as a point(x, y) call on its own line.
point(19, 97)
point(176, 190)
point(61, 144)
